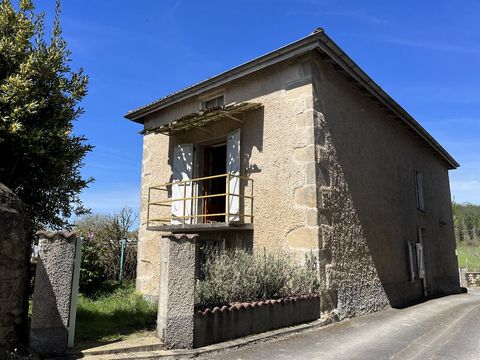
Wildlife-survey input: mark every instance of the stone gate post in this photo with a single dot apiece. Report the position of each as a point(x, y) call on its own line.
point(52, 292)
point(177, 289)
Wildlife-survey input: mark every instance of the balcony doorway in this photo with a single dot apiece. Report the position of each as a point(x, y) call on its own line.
point(215, 163)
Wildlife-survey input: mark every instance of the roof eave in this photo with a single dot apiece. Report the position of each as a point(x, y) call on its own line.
point(349, 66)
point(317, 40)
point(299, 47)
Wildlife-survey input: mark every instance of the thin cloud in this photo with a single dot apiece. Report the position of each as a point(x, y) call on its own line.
point(359, 15)
point(433, 45)
point(101, 200)
point(440, 94)
point(466, 191)
point(356, 15)
point(415, 43)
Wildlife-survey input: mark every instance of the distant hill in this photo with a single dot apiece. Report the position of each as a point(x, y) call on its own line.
point(466, 218)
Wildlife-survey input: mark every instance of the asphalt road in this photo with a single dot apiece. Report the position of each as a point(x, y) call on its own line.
point(445, 328)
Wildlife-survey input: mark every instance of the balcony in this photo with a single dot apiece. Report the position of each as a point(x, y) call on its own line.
point(218, 202)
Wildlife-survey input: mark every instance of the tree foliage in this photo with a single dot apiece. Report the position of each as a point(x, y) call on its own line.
point(466, 219)
point(101, 250)
point(39, 95)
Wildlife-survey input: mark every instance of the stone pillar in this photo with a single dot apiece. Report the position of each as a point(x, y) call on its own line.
point(14, 252)
point(177, 290)
point(52, 292)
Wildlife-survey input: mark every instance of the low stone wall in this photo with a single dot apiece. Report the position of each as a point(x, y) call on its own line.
point(472, 279)
point(238, 320)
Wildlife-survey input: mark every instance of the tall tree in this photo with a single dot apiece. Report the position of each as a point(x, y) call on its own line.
point(40, 157)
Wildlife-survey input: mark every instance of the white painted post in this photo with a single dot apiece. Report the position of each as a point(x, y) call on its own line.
point(73, 300)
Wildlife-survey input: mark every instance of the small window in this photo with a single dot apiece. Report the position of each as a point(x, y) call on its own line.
point(213, 103)
point(419, 191)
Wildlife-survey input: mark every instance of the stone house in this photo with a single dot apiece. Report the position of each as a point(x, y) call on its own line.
point(299, 150)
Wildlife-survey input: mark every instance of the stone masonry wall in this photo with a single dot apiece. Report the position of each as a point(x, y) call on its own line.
point(366, 161)
point(349, 276)
point(472, 279)
point(14, 252)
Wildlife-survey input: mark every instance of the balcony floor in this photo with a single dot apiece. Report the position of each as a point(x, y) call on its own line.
point(194, 228)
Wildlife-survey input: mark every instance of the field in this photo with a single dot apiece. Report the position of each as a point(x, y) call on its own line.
point(468, 257)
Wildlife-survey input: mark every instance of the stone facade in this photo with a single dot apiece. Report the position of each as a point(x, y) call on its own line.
point(14, 253)
point(287, 119)
point(334, 175)
point(366, 164)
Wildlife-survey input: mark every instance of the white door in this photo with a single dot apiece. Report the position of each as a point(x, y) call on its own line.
point(233, 168)
point(182, 170)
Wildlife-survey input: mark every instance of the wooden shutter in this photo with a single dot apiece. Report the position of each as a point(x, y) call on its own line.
point(411, 261)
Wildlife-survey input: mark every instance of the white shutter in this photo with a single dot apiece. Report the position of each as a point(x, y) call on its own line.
point(233, 167)
point(420, 255)
point(420, 262)
point(182, 170)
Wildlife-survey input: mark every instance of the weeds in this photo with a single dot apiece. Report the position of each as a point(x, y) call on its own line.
point(113, 315)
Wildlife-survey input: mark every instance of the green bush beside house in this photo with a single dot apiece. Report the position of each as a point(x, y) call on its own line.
point(238, 276)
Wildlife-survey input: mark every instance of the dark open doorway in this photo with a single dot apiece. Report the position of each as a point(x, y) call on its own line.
point(215, 163)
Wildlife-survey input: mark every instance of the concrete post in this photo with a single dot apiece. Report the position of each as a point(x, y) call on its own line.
point(52, 292)
point(177, 289)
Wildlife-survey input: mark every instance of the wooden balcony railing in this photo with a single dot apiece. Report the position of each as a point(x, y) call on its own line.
point(190, 202)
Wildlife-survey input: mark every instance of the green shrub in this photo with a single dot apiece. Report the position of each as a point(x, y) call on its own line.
point(238, 276)
point(101, 251)
point(92, 274)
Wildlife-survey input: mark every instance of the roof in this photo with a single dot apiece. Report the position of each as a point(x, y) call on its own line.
point(319, 41)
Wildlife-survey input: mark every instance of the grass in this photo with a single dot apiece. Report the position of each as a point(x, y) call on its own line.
point(468, 256)
point(113, 315)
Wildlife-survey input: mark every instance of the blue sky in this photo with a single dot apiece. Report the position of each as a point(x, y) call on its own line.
point(425, 54)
